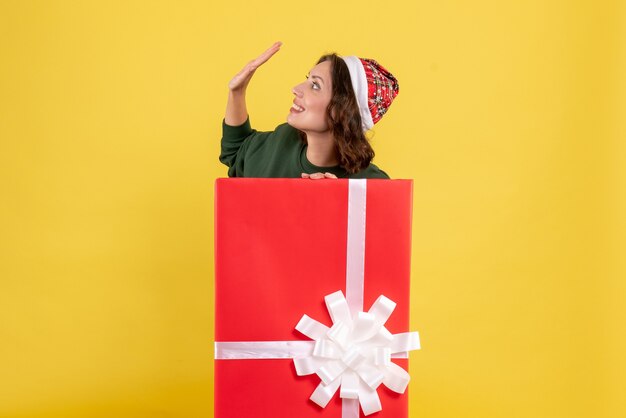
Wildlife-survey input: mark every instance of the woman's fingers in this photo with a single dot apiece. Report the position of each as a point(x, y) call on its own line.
point(242, 78)
point(317, 176)
point(261, 59)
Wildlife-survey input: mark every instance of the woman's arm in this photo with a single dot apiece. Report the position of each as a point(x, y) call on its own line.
point(236, 110)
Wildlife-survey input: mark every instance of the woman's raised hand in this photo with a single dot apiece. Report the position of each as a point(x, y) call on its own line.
point(241, 80)
point(236, 109)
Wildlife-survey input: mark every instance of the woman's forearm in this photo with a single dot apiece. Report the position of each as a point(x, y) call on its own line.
point(236, 110)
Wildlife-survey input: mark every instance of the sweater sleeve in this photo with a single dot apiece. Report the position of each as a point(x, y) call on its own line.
point(235, 140)
point(371, 172)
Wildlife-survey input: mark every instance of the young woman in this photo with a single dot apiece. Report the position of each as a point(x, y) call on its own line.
point(324, 136)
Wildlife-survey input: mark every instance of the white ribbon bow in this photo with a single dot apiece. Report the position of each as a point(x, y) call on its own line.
point(355, 353)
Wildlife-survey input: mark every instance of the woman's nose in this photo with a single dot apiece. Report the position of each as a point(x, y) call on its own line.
point(297, 91)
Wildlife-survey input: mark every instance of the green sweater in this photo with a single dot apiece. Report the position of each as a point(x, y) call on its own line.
point(280, 153)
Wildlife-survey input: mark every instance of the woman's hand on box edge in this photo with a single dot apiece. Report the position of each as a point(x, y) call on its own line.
point(317, 176)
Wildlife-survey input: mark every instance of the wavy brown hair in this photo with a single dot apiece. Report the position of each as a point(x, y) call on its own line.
point(354, 152)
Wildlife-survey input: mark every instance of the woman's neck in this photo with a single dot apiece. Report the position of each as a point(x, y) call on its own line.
point(321, 149)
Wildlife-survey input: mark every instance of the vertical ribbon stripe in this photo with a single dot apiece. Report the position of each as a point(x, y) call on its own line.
point(355, 262)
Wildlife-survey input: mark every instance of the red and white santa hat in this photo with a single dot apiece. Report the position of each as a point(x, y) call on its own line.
point(374, 86)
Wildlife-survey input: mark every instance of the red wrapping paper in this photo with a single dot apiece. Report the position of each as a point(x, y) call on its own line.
point(280, 247)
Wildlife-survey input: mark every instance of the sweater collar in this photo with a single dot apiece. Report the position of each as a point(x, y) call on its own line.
point(310, 168)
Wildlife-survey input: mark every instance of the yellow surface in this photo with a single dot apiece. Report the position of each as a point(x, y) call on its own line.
point(510, 119)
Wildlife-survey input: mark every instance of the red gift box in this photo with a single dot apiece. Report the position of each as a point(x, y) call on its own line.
point(280, 248)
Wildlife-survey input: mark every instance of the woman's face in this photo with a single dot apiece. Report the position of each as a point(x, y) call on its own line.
point(308, 112)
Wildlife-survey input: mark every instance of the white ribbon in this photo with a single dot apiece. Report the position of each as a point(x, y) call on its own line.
point(354, 354)
point(355, 245)
point(243, 350)
point(250, 350)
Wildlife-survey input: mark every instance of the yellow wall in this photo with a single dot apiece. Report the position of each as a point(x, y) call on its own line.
point(510, 119)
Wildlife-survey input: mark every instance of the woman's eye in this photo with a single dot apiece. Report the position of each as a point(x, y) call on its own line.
point(314, 84)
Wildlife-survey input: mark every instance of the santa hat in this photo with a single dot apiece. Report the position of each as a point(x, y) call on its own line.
point(374, 87)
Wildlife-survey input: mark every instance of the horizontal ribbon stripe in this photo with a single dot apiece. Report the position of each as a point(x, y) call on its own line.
point(263, 350)
point(248, 350)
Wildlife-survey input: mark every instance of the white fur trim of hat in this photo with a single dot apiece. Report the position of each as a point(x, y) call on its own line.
point(359, 85)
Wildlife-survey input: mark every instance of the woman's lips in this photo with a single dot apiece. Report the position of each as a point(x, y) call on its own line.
point(296, 109)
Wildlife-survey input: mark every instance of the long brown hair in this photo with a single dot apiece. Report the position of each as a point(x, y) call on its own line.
point(353, 149)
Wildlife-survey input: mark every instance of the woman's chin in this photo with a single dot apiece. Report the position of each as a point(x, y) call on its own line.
point(292, 122)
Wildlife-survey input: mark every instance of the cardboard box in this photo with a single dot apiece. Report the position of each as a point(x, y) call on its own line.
point(280, 248)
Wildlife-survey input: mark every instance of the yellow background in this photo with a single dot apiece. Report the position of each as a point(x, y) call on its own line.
point(510, 119)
